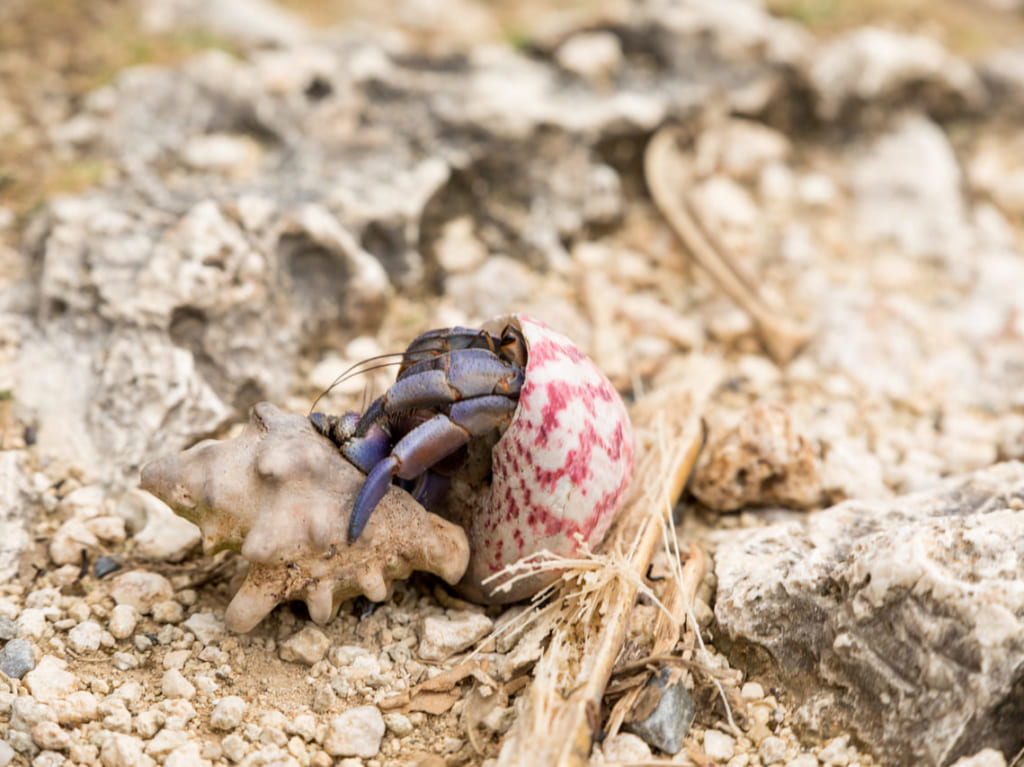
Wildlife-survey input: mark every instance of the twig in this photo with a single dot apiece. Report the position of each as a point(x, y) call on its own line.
point(668, 175)
point(574, 671)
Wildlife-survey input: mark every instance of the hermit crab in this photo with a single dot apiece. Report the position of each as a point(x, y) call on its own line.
point(508, 431)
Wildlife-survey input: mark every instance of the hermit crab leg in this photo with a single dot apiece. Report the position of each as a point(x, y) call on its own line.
point(427, 444)
point(440, 380)
point(668, 174)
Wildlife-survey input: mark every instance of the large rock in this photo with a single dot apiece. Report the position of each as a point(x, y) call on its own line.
point(900, 620)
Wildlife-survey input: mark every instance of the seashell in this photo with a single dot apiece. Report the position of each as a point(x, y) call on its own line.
point(280, 495)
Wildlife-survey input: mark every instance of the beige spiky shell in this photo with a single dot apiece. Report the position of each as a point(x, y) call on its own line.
point(280, 494)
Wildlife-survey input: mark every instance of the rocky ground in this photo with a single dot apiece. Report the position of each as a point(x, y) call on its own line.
point(268, 196)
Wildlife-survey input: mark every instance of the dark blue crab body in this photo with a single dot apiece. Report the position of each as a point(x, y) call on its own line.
point(453, 385)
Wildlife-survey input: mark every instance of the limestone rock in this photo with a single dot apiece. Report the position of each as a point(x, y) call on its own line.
point(914, 602)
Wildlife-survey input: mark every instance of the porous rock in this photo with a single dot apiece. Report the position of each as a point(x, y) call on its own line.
point(914, 602)
point(874, 66)
point(763, 460)
point(281, 495)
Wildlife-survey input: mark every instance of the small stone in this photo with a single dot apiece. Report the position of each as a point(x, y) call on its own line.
point(105, 566)
point(718, 745)
point(228, 713)
point(594, 56)
point(772, 750)
point(307, 646)
point(752, 691)
point(49, 759)
point(32, 623)
point(357, 732)
point(70, 542)
point(665, 712)
point(77, 708)
point(234, 747)
point(187, 755)
point(988, 757)
point(168, 611)
point(108, 529)
point(176, 659)
point(8, 628)
point(6, 753)
point(85, 637)
point(49, 735)
point(399, 724)
point(440, 638)
point(304, 725)
point(175, 685)
point(17, 658)
point(803, 760)
point(121, 750)
point(626, 747)
point(164, 742)
point(141, 590)
point(50, 680)
point(207, 627)
point(148, 723)
point(123, 619)
point(835, 752)
point(166, 536)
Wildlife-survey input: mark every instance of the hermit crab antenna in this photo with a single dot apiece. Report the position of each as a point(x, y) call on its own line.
point(358, 369)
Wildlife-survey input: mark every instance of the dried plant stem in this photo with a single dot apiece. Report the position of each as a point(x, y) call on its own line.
point(669, 174)
point(558, 725)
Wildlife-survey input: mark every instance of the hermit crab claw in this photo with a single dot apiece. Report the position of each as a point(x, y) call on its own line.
point(281, 495)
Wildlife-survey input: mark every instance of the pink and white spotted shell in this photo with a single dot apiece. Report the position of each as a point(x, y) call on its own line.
point(559, 472)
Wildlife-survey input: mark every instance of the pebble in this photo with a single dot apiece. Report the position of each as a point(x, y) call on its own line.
point(399, 724)
point(804, 760)
point(835, 752)
point(304, 725)
point(207, 627)
point(307, 646)
point(752, 691)
point(718, 745)
point(234, 747)
point(50, 735)
point(228, 713)
point(71, 541)
point(32, 623)
point(17, 658)
point(121, 750)
point(987, 757)
point(187, 755)
point(772, 750)
point(164, 742)
point(166, 536)
point(50, 681)
point(441, 638)
point(8, 628)
point(168, 611)
point(356, 732)
point(123, 619)
point(6, 753)
point(141, 590)
point(175, 685)
point(85, 637)
point(76, 708)
point(626, 747)
point(666, 725)
point(105, 566)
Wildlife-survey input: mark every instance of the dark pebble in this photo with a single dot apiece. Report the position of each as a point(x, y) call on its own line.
point(17, 658)
point(105, 566)
point(664, 712)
